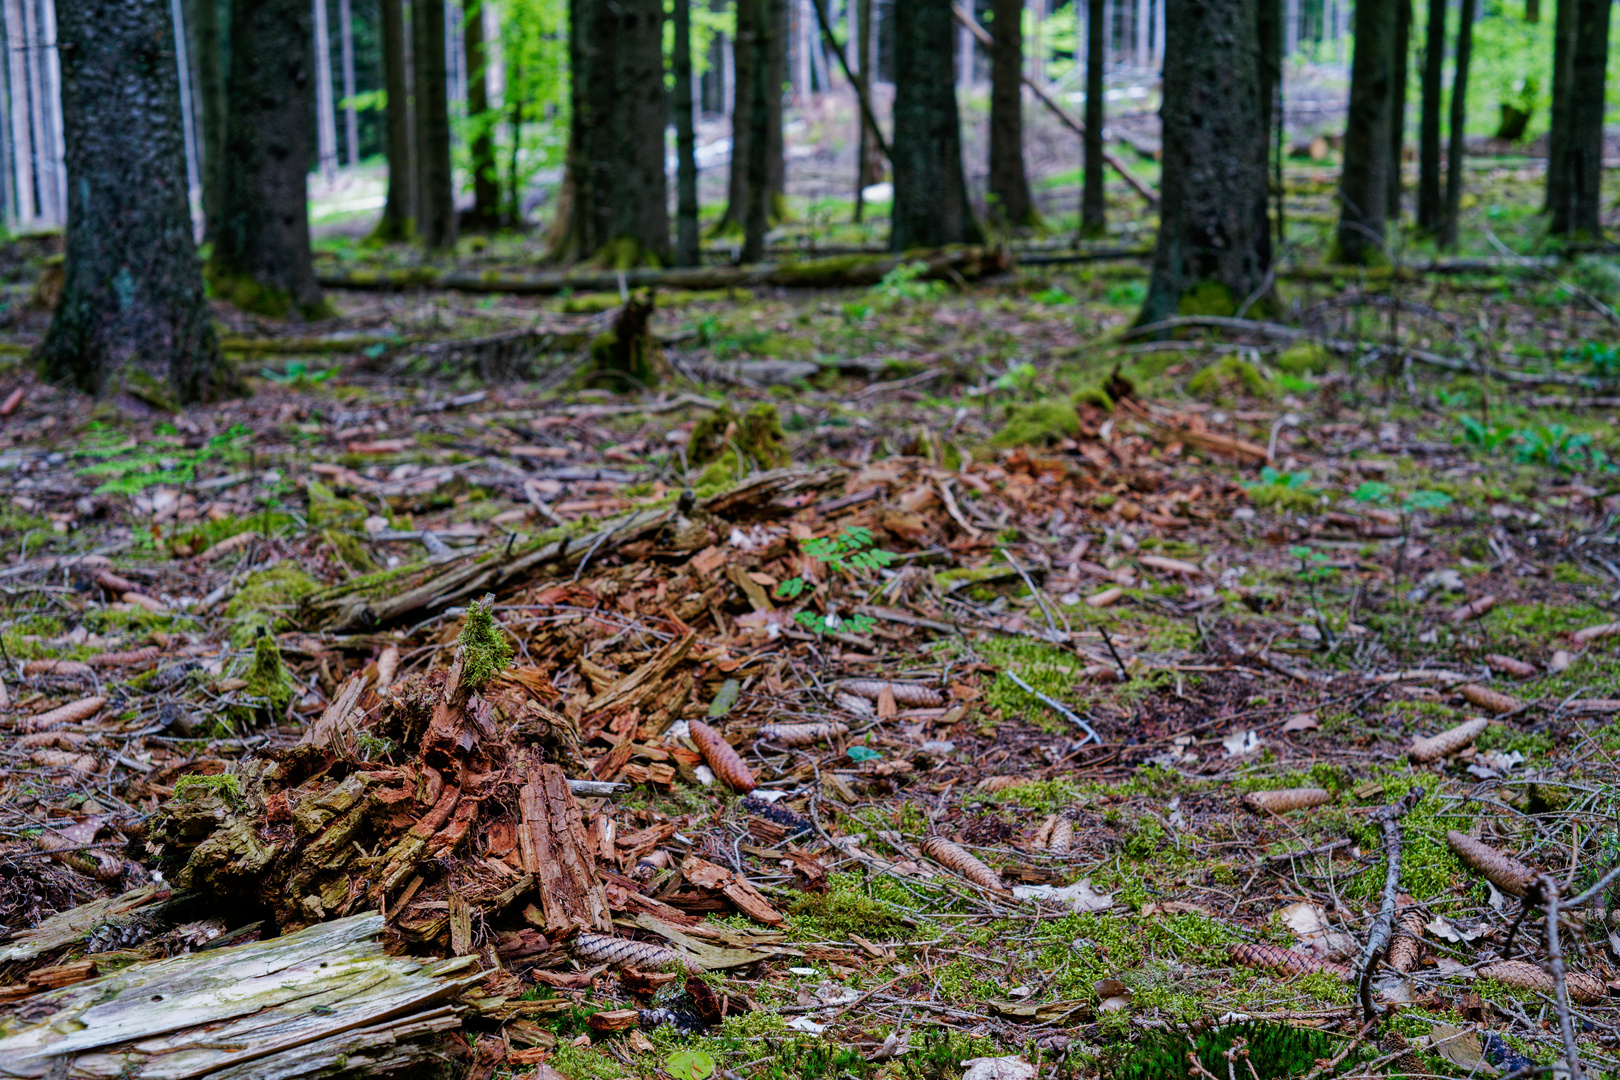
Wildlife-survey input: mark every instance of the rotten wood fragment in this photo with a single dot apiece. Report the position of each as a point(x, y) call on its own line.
point(748, 899)
point(556, 849)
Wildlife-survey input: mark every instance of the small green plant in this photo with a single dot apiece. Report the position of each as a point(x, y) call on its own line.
point(1269, 477)
point(1488, 438)
point(1554, 445)
point(905, 282)
point(805, 1060)
point(1601, 361)
point(128, 468)
point(1373, 491)
point(850, 552)
point(1018, 379)
point(1313, 565)
point(298, 374)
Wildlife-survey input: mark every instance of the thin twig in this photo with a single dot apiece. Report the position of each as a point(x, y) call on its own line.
point(1055, 705)
point(1555, 965)
point(1108, 640)
point(1384, 925)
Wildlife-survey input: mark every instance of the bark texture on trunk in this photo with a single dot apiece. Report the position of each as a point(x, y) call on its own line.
point(745, 51)
point(261, 248)
point(1564, 22)
point(1009, 185)
point(930, 192)
point(756, 220)
point(1214, 241)
point(209, 46)
point(398, 217)
point(436, 209)
point(1364, 180)
point(687, 251)
point(869, 162)
point(481, 147)
point(1429, 205)
point(1397, 105)
point(775, 151)
point(131, 317)
point(1093, 202)
point(619, 213)
point(1459, 114)
point(1575, 199)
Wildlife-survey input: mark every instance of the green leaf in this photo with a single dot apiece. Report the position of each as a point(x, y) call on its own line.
point(689, 1065)
point(863, 753)
point(790, 588)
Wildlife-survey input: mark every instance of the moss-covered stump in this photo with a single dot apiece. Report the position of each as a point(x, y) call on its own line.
point(756, 436)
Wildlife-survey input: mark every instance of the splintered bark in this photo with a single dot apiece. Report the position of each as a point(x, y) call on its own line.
point(1214, 242)
point(1009, 185)
point(1429, 206)
point(556, 850)
point(261, 256)
point(481, 147)
point(131, 318)
point(436, 210)
point(1364, 179)
point(1575, 173)
point(930, 192)
point(398, 215)
point(321, 1002)
point(1093, 205)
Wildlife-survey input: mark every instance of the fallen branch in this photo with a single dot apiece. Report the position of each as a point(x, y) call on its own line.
point(1384, 925)
point(1056, 706)
point(1555, 965)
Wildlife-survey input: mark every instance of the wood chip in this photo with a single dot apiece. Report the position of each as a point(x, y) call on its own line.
point(1172, 566)
point(1105, 598)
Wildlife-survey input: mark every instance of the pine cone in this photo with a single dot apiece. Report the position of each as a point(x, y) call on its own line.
point(1284, 799)
point(1502, 870)
point(802, 734)
point(961, 862)
point(1449, 741)
point(725, 761)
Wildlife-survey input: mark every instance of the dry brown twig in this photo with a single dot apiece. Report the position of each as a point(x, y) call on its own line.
point(1384, 925)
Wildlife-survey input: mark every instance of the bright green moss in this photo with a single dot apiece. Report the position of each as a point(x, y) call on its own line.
point(485, 650)
point(1038, 423)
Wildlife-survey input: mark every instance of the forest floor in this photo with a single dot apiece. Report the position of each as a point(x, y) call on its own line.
point(1094, 595)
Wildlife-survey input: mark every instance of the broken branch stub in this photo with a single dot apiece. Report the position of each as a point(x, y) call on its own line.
point(722, 758)
point(961, 862)
point(1284, 799)
point(1449, 741)
point(1500, 869)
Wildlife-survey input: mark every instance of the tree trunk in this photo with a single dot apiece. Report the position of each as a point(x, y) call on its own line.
point(398, 215)
point(1214, 243)
point(351, 115)
point(1009, 186)
point(1093, 201)
point(1578, 164)
point(1564, 23)
point(777, 73)
point(868, 162)
point(619, 213)
point(1429, 208)
point(1459, 115)
point(261, 248)
point(208, 32)
point(1397, 106)
point(325, 107)
point(756, 221)
point(930, 193)
point(687, 252)
point(486, 189)
point(435, 196)
point(131, 318)
point(1364, 180)
point(745, 51)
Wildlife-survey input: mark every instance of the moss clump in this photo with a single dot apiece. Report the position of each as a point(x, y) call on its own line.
point(756, 435)
point(1303, 358)
point(1038, 423)
point(1275, 1049)
point(327, 511)
point(485, 651)
point(264, 600)
point(226, 785)
point(269, 688)
point(1227, 379)
point(1095, 396)
point(252, 296)
point(843, 909)
point(1282, 497)
point(1207, 298)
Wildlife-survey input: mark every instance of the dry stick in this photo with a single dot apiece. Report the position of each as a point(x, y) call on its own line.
point(866, 106)
point(1586, 897)
point(1033, 591)
point(1384, 926)
point(1074, 125)
point(1108, 640)
point(1057, 706)
point(1555, 964)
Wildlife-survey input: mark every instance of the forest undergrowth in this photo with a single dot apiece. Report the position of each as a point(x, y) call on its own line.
point(984, 679)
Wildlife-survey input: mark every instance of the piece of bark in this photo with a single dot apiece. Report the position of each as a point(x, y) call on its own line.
point(1285, 799)
point(646, 679)
point(613, 1020)
point(554, 846)
point(747, 898)
point(1500, 869)
point(1491, 700)
point(1449, 741)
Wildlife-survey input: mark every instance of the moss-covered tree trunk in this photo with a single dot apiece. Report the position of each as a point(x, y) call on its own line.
point(131, 317)
point(261, 248)
point(481, 147)
point(930, 193)
point(398, 216)
point(435, 191)
point(1009, 184)
point(1575, 171)
point(1429, 202)
point(1364, 179)
point(1214, 236)
point(618, 212)
point(1093, 203)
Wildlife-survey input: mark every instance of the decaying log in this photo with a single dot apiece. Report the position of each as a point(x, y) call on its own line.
point(327, 1001)
point(557, 851)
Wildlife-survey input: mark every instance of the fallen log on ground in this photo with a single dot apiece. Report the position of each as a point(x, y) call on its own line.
point(327, 1001)
point(847, 271)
